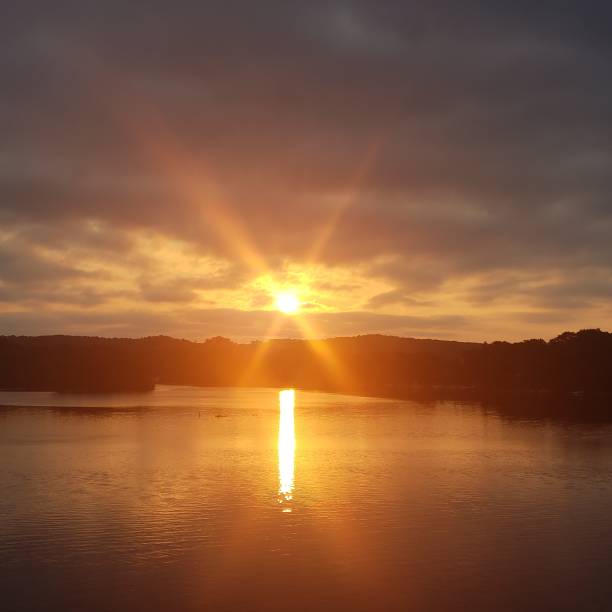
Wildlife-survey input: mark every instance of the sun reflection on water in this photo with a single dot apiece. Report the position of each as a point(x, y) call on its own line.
point(286, 448)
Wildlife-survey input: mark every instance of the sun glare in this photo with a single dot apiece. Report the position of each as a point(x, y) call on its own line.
point(286, 447)
point(287, 303)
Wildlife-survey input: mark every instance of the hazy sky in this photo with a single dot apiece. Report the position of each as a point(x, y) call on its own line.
point(439, 169)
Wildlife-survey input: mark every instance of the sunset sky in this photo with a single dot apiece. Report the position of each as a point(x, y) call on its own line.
point(439, 169)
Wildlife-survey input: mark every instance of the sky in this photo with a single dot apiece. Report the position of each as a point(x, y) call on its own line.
point(439, 169)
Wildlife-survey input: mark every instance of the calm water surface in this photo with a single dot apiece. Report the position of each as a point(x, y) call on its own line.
point(219, 499)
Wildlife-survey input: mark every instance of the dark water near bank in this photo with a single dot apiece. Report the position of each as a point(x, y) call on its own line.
point(218, 499)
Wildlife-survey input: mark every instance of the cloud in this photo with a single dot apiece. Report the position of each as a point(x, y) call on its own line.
point(441, 147)
point(241, 325)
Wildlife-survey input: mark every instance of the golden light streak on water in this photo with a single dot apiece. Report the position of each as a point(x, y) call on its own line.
point(286, 448)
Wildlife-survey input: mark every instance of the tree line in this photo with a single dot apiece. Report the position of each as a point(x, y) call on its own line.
point(572, 363)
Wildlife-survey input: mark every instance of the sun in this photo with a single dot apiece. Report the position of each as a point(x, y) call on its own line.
point(287, 303)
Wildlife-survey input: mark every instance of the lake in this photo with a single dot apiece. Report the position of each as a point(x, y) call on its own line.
point(261, 499)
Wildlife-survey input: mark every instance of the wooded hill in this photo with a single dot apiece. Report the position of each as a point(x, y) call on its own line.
point(573, 362)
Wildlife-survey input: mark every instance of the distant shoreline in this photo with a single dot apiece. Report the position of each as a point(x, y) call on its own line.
point(573, 370)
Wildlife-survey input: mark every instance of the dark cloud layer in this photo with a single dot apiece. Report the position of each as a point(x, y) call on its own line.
point(201, 324)
point(459, 140)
